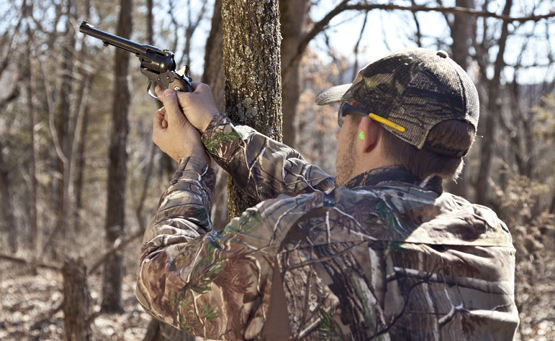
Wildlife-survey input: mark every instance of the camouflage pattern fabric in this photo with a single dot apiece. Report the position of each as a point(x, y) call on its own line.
point(415, 88)
point(387, 257)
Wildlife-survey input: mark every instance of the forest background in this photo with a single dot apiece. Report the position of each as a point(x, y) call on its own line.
point(80, 177)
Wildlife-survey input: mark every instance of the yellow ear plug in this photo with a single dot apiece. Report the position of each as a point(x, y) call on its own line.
point(361, 135)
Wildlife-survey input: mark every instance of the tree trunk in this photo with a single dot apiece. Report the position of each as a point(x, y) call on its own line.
point(461, 30)
point(7, 204)
point(252, 67)
point(76, 305)
point(153, 149)
point(153, 330)
point(117, 169)
point(293, 17)
point(213, 75)
point(80, 164)
point(493, 107)
point(79, 122)
point(5, 185)
point(63, 122)
point(33, 219)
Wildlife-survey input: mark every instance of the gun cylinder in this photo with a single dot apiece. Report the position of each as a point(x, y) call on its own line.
point(157, 62)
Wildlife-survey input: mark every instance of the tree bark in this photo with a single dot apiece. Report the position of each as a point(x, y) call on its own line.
point(252, 67)
point(293, 18)
point(117, 169)
point(76, 305)
point(461, 30)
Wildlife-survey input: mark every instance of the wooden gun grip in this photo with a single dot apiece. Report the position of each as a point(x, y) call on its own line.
point(179, 84)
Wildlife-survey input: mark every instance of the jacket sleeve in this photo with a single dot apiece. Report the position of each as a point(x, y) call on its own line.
point(261, 167)
point(210, 284)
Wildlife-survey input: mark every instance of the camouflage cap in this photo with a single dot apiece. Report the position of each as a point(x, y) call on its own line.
point(414, 88)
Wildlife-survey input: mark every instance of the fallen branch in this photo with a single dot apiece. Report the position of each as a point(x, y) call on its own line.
point(118, 245)
point(31, 263)
point(47, 317)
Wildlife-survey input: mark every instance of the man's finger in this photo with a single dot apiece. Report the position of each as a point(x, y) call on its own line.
point(200, 87)
point(158, 90)
point(158, 119)
point(173, 111)
point(194, 85)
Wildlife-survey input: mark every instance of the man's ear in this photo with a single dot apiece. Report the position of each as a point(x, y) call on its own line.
point(370, 134)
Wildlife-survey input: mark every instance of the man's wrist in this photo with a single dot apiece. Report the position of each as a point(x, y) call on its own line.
point(197, 155)
point(215, 121)
point(207, 120)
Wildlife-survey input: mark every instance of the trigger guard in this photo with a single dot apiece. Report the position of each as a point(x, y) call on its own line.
point(149, 89)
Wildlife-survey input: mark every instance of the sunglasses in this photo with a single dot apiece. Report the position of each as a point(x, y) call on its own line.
point(347, 109)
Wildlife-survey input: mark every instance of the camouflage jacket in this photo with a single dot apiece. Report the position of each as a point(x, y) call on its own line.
point(387, 257)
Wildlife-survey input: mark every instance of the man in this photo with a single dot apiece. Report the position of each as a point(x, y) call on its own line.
point(382, 253)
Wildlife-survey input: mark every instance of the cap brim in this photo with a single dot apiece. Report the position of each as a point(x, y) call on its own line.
point(333, 94)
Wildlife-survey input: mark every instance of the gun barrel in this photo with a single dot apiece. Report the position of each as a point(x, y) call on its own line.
point(111, 39)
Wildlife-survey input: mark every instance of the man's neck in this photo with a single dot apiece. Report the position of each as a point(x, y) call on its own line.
point(373, 160)
point(394, 174)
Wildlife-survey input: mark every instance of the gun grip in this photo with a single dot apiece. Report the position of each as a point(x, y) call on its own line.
point(179, 84)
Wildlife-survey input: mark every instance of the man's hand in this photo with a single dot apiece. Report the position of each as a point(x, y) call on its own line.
point(173, 133)
point(198, 106)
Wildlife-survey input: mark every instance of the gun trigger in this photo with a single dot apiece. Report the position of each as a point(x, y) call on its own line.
point(149, 89)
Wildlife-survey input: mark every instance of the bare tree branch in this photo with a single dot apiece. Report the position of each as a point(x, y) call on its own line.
point(53, 131)
point(316, 29)
point(417, 23)
point(192, 25)
point(4, 63)
point(146, 182)
point(343, 6)
point(175, 24)
point(384, 35)
point(452, 10)
point(449, 22)
point(355, 68)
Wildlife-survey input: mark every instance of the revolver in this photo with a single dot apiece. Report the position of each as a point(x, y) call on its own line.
point(156, 64)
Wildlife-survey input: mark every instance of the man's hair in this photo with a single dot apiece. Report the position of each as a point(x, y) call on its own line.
point(422, 163)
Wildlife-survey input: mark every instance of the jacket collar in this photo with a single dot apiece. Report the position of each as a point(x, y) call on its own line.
point(391, 175)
